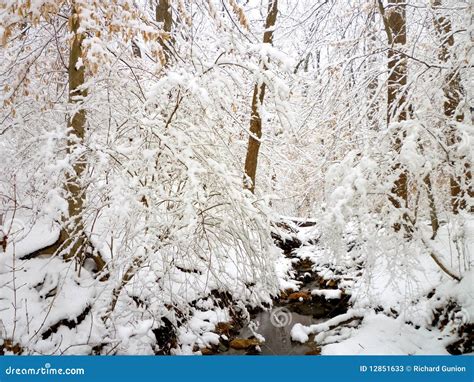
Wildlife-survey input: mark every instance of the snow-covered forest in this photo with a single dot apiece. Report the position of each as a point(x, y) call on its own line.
point(236, 177)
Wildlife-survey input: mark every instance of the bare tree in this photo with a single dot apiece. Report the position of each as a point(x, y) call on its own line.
point(164, 15)
point(74, 232)
point(453, 92)
point(372, 86)
point(257, 100)
point(394, 20)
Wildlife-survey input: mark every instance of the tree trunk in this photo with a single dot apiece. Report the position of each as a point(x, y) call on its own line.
point(452, 94)
point(73, 235)
point(372, 98)
point(432, 206)
point(395, 27)
point(257, 100)
point(163, 14)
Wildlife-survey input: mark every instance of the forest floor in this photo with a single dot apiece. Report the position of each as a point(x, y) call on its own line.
point(324, 307)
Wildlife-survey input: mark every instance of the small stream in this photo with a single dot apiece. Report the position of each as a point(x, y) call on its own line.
point(277, 337)
point(291, 308)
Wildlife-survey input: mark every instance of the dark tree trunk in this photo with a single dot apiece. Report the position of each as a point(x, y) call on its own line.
point(257, 100)
point(453, 92)
point(395, 27)
point(164, 15)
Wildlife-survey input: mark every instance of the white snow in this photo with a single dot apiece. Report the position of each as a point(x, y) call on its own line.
point(328, 294)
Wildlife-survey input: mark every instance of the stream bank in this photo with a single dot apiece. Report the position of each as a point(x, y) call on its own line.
point(269, 331)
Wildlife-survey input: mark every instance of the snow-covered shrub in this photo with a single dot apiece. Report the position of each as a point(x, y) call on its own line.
point(164, 204)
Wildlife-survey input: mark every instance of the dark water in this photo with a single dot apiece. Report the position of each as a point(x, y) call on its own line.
point(275, 325)
point(277, 337)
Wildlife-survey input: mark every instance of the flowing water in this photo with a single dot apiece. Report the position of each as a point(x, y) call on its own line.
point(275, 326)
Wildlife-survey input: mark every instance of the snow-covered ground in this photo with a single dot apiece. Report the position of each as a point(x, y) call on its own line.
point(397, 301)
point(397, 296)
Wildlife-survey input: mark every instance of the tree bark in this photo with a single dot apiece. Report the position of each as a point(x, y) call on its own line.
point(73, 241)
point(163, 14)
point(257, 100)
point(372, 98)
point(432, 206)
point(73, 235)
point(452, 94)
point(395, 26)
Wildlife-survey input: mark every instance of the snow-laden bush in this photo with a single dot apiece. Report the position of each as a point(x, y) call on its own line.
point(164, 210)
point(360, 220)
